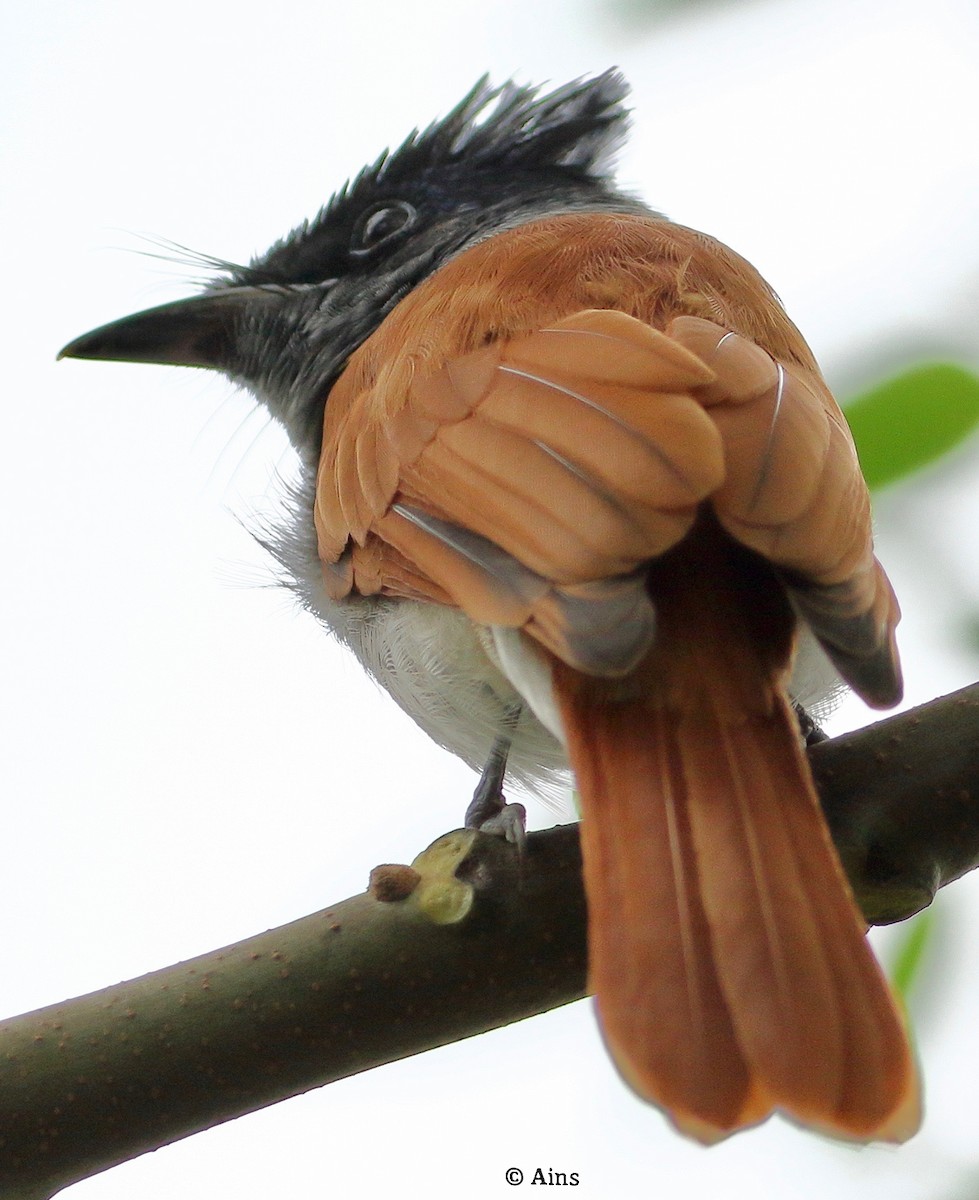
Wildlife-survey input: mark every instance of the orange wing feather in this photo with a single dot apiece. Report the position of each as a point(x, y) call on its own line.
point(604, 431)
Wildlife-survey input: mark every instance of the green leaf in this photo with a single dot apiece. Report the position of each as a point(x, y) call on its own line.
point(911, 951)
point(913, 419)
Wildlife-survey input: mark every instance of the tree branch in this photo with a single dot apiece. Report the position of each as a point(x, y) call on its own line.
point(902, 801)
point(469, 939)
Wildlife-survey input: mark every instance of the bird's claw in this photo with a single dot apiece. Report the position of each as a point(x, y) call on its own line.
point(809, 731)
point(510, 822)
point(488, 811)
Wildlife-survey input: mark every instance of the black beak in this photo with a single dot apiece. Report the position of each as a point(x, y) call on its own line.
point(198, 332)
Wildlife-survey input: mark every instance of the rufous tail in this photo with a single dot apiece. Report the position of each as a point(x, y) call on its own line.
point(729, 962)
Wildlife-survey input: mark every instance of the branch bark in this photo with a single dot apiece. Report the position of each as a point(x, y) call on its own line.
point(902, 801)
point(469, 939)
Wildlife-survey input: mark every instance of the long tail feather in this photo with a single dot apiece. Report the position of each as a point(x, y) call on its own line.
point(728, 959)
point(663, 1014)
point(810, 1006)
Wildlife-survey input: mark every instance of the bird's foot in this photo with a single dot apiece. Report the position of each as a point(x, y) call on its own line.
point(488, 810)
point(808, 729)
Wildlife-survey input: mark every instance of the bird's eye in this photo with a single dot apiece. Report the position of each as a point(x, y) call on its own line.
point(381, 222)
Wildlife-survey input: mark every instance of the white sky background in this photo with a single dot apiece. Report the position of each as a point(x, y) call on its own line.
point(188, 761)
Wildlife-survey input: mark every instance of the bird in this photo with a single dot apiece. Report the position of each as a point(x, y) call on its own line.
point(572, 488)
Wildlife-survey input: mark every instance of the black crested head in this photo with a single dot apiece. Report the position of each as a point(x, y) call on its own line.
point(497, 151)
point(285, 325)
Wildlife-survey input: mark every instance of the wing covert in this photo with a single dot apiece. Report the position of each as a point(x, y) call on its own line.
point(528, 482)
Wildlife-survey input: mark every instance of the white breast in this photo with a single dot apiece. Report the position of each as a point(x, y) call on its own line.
point(442, 670)
point(458, 681)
